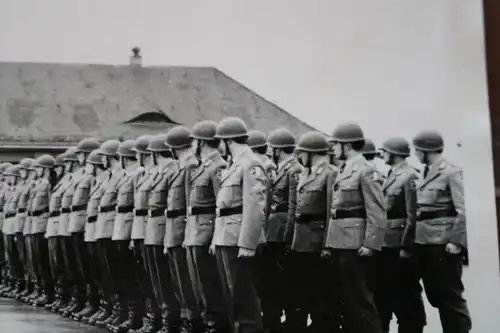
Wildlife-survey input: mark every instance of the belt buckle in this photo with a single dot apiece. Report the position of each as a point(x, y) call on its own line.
point(190, 210)
point(217, 212)
point(333, 213)
point(297, 215)
point(150, 213)
point(99, 209)
point(133, 210)
point(273, 208)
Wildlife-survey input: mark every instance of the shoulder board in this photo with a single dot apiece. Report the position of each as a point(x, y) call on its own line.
point(319, 170)
point(355, 167)
point(207, 163)
point(332, 167)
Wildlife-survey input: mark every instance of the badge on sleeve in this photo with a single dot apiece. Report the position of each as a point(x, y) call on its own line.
point(413, 185)
point(220, 173)
point(256, 172)
point(461, 175)
point(375, 176)
point(297, 177)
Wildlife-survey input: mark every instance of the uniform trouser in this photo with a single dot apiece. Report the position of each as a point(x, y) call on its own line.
point(79, 267)
point(21, 250)
point(3, 255)
point(272, 291)
point(87, 261)
point(307, 288)
point(15, 265)
point(29, 258)
point(239, 286)
point(205, 278)
point(164, 285)
point(355, 287)
point(442, 278)
point(143, 279)
point(107, 253)
point(180, 273)
point(398, 291)
point(41, 262)
point(56, 261)
point(123, 272)
point(71, 248)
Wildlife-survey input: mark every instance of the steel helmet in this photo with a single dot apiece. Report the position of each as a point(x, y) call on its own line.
point(87, 145)
point(397, 146)
point(178, 137)
point(4, 166)
point(12, 170)
point(428, 141)
point(70, 155)
point(312, 142)
point(126, 149)
point(230, 128)
point(141, 144)
point(346, 133)
point(281, 138)
point(45, 161)
point(157, 143)
point(204, 130)
point(95, 158)
point(110, 147)
point(256, 139)
point(59, 161)
point(369, 147)
point(27, 163)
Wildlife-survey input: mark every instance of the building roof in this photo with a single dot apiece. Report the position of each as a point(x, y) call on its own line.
point(56, 104)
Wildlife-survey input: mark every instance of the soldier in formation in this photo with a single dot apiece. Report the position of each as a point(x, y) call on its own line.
point(221, 229)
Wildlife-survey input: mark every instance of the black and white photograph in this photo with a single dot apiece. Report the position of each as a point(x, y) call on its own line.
point(230, 166)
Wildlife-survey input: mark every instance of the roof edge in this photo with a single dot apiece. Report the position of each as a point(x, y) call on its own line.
point(30, 145)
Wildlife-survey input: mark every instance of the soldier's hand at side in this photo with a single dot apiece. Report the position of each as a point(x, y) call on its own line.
point(131, 245)
point(245, 253)
point(404, 254)
point(326, 254)
point(164, 250)
point(211, 249)
point(365, 252)
point(453, 248)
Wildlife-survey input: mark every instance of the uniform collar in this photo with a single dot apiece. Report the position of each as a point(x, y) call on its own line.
point(285, 162)
point(210, 156)
point(354, 160)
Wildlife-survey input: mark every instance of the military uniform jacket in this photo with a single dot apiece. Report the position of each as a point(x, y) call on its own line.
point(203, 184)
point(9, 210)
point(95, 195)
point(55, 205)
point(40, 206)
point(441, 208)
point(311, 211)
point(358, 215)
point(27, 229)
point(401, 206)
point(79, 202)
point(176, 202)
point(283, 201)
point(3, 190)
point(243, 188)
point(125, 206)
point(66, 201)
point(142, 188)
point(157, 202)
point(22, 205)
point(107, 206)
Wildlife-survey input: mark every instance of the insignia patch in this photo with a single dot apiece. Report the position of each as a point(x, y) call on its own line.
point(461, 175)
point(297, 177)
point(413, 185)
point(220, 173)
point(375, 176)
point(193, 171)
point(270, 174)
point(256, 172)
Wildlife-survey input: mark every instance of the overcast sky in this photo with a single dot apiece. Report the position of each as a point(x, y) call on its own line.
point(394, 66)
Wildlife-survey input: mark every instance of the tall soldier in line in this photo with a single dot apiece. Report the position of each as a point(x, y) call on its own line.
point(24, 243)
point(398, 282)
point(356, 230)
point(77, 220)
point(257, 141)
point(203, 184)
point(241, 213)
point(104, 231)
point(69, 247)
point(16, 273)
point(369, 151)
point(305, 234)
point(282, 199)
point(39, 211)
point(164, 284)
point(56, 258)
point(95, 166)
point(179, 141)
point(124, 267)
point(4, 187)
point(152, 318)
point(440, 233)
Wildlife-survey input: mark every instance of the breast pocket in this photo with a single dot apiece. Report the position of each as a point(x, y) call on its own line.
point(109, 198)
point(349, 193)
point(435, 192)
point(201, 189)
point(125, 195)
point(232, 192)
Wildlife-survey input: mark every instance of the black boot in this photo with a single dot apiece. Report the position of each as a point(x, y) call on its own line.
point(135, 317)
point(110, 318)
point(170, 327)
point(121, 316)
point(103, 313)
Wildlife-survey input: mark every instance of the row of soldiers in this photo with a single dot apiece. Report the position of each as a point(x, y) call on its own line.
point(220, 229)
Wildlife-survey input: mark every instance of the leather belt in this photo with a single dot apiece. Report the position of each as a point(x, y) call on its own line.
point(281, 208)
point(141, 212)
point(92, 219)
point(199, 210)
point(40, 212)
point(157, 212)
point(394, 215)
point(125, 209)
point(221, 212)
point(9, 215)
point(65, 210)
point(172, 214)
point(306, 218)
point(78, 208)
point(107, 209)
point(21, 210)
point(55, 213)
point(348, 214)
point(435, 214)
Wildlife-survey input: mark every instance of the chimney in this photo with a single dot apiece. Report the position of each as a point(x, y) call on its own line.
point(136, 58)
